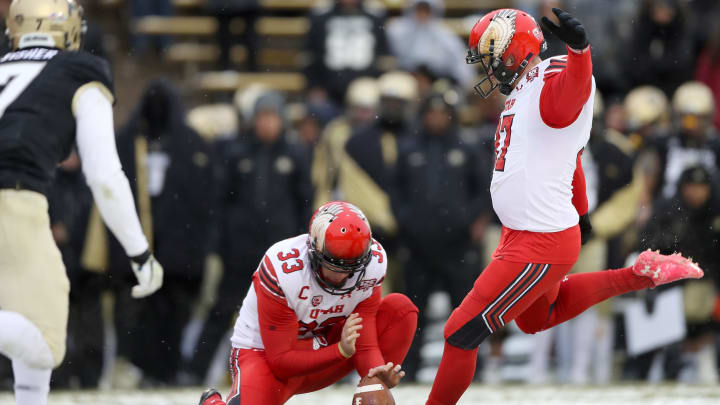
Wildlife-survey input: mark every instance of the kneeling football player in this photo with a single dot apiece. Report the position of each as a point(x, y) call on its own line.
point(314, 313)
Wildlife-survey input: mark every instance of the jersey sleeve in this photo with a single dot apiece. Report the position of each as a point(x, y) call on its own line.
point(279, 330)
point(84, 71)
point(367, 352)
point(579, 198)
point(103, 172)
point(567, 87)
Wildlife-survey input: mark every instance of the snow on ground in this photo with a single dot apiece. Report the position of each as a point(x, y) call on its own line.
point(637, 394)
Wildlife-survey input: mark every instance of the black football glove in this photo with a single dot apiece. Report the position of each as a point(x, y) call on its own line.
point(570, 31)
point(585, 228)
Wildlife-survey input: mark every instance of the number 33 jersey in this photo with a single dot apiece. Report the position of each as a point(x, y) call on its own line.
point(285, 274)
point(37, 117)
point(531, 186)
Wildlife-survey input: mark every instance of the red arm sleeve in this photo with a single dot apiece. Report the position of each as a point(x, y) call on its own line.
point(367, 353)
point(579, 198)
point(279, 331)
point(566, 91)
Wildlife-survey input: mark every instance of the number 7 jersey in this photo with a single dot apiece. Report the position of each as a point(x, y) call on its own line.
point(531, 186)
point(37, 112)
point(285, 274)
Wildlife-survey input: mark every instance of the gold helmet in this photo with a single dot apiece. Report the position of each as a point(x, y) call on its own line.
point(693, 98)
point(398, 84)
point(645, 105)
point(47, 23)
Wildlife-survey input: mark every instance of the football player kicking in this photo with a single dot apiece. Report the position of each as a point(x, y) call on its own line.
point(314, 313)
point(538, 192)
point(53, 97)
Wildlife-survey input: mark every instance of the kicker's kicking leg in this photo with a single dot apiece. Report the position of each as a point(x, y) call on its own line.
point(578, 292)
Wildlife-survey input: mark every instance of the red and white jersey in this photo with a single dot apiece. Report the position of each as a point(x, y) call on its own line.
point(287, 265)
point(531, 186)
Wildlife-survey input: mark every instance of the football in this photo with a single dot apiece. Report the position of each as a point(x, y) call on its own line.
point(372, 391)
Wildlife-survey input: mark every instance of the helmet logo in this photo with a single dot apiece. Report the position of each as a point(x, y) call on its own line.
point(537, 33)
point(57, 17)
point(496, 39)
point(321, 222)
point(367, 284)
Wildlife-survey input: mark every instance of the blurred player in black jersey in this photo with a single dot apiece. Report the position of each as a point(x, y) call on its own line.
point(52, 97)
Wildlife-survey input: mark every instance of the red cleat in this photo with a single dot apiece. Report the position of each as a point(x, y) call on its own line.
point(663, 269)
point(211, 397)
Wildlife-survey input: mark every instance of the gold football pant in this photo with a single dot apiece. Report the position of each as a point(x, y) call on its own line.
point(33, 282)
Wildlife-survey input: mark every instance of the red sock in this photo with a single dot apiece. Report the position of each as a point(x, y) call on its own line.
point(576, 293)
point(454, 376)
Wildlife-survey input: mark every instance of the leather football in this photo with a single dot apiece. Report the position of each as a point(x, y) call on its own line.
point(372, 391)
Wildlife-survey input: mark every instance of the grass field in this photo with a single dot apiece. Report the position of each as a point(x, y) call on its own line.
point(416, 395)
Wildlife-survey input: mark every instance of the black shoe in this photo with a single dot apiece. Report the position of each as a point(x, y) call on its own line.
point(209, 393)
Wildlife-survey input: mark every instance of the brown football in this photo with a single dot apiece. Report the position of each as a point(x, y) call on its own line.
point(372, 391)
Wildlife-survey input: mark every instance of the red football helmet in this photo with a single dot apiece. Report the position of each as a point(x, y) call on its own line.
point(339, 240)
point(504, 41)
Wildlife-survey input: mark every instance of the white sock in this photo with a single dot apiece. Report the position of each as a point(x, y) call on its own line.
point(21, 340)
point(32, 385)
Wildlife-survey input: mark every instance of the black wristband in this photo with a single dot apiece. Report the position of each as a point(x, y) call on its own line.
point(141, 258)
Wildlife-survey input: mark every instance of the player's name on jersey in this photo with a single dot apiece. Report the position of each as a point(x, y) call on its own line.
point(30, 54)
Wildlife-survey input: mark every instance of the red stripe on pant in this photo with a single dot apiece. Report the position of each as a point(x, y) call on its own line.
point(491, 313)
point(523, 288)
point(235, 372)
point(501, 292)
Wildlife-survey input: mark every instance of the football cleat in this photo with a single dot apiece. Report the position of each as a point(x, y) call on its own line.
point(663, 269)
point(211, 397)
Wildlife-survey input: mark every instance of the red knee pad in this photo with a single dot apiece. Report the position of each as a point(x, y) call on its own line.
point(398, 304)
point(396, 308)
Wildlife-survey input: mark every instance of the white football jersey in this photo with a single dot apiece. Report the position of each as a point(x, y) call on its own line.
point(531, 186)
point(316, 309)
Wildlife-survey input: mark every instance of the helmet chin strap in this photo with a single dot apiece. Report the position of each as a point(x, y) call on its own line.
point(507, 88)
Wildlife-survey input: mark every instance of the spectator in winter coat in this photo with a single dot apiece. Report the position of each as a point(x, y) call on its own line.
point(344, 43)
point(420, 39)
point(661, 48)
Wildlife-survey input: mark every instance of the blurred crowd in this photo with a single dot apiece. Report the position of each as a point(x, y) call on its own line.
point(410, 144)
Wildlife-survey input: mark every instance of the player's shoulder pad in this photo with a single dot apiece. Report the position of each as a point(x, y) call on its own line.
point(83, 67)
point(378, 262)
point(288, 256)
point(276, 270)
